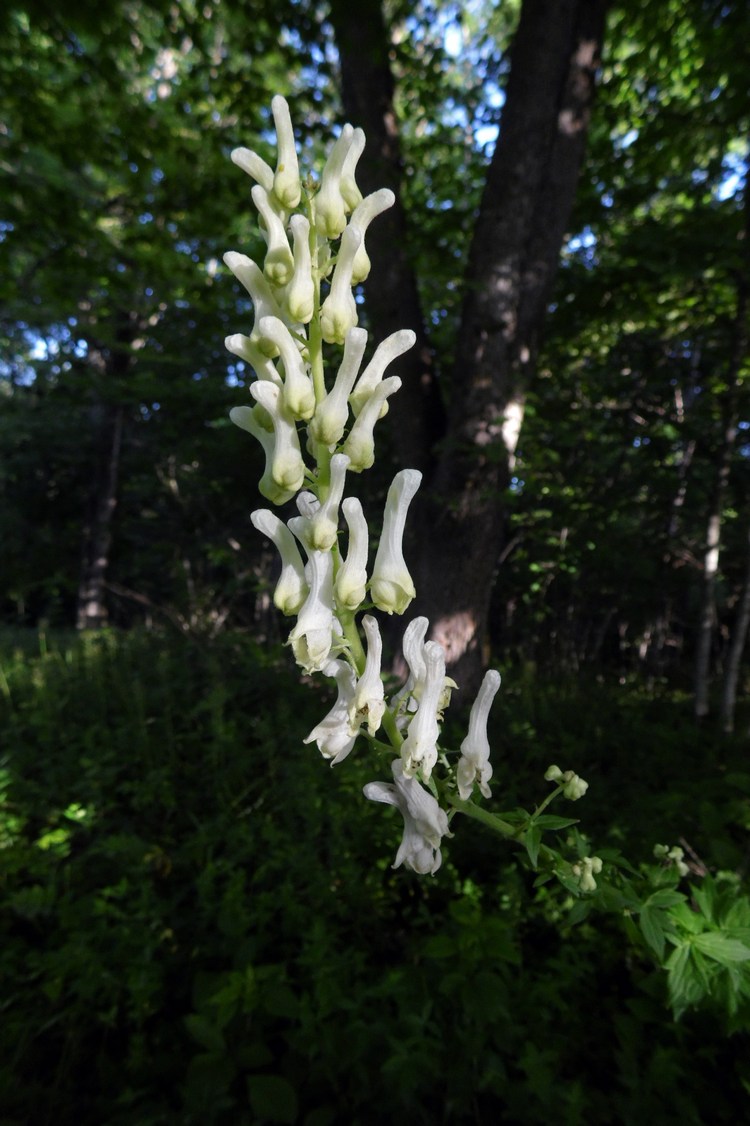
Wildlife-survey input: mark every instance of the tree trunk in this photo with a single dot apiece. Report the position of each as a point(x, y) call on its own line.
point(515, 250)
point(737, 357)
point(92, 605)
point(734, 657)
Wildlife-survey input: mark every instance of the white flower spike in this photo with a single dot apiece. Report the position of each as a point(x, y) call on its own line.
point(425, 823)
point(255, 166)
point(351, 194)
point(249, 274)
point(474, 765)
point(291, 589)
point(391, 584)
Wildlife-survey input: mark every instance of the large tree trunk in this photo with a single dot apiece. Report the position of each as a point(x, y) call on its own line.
point(514, 254)
point(97, 540)
point(734, 657)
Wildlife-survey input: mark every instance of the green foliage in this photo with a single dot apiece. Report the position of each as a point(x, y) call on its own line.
point(200, 924)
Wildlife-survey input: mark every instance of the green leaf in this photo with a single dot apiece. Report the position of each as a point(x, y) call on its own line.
point(532, 839)
point(552, 821)
point(723, 949)
point(685, 981)
point(652, 930)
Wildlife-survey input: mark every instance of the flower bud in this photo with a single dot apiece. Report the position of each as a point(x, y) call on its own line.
point(248, 350)
point(391, 584)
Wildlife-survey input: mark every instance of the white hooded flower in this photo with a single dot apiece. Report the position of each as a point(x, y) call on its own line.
point(338, 313)
point(312, 637)
point(368, 703)
point(329, 205)
point(249, 274)
point(247, 349)
point(350, 193)
point(324, 522)
point(474, 765)
point(391, 584)
point(252, 419)
point(419, 750)
point(333, 734)
point(370, 207)
point(351, 580)
point(255, 166)
point(287, 466)
point(286, 181)
point(332, 414)
point(425, 823)
point(298, 394)
point(386, 352)
point(278, 264)
point(291, 589)
point(300, 292)
point(360, 441)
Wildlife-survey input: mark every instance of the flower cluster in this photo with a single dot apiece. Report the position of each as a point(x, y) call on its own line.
point(314, 432)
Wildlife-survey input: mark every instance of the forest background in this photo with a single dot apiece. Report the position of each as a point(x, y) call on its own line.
point(570, 246)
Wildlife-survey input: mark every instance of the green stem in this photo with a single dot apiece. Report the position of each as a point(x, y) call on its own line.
point(491, 820)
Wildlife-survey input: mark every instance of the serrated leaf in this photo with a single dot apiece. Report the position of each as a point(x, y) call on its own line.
point(665, 897)
point(723, 949)
point(684, 980)
point(652, 930)
point(532, 839)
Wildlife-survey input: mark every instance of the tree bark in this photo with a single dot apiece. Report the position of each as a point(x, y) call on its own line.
point(515, 251)
point(393, 303)
point(531, 182)
point(92, 605)
point(734, 657)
